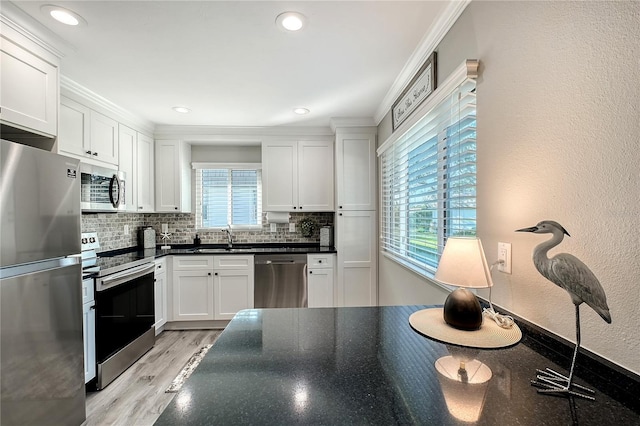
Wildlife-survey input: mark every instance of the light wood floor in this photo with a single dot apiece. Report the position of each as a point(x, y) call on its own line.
point(138, 396)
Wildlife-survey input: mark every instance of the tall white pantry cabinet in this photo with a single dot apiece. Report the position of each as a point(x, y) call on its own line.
point(356, 219)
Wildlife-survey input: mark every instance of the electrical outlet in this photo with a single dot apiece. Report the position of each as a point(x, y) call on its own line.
point(126, 229)
point(504, 255)
point(272, 227)
point(292, 227)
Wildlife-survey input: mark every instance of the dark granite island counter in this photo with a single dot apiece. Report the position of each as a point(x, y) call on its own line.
point(366, 366)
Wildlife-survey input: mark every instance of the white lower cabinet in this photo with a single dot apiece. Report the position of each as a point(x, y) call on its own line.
point(160, 294)
point(211, 287)
point(89, 329)
point(320, 280)
point(192, 288)
point(232, 285)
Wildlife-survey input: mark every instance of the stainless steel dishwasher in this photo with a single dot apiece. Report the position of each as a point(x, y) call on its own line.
point(280, 281)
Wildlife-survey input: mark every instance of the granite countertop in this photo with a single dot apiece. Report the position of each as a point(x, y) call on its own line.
point(242, 248)
point(367, 366)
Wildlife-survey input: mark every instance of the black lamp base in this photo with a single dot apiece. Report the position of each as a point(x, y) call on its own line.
point(462, 310)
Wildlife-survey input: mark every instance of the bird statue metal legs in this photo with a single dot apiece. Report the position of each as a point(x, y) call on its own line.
point(571, 274)
point(551, 381)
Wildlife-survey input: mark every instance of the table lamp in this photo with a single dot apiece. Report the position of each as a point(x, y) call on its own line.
point(463, 265)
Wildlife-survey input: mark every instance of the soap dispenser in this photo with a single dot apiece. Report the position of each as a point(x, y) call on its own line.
point(196, 241)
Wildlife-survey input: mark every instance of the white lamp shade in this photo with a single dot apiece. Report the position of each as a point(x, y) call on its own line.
point(463, 264)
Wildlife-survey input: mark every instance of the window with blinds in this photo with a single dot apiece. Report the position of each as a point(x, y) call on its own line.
point(228, 196)
point(428, 179)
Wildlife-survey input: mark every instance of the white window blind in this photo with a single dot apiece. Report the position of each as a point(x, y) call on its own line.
point(428, 181)
point(228, 195)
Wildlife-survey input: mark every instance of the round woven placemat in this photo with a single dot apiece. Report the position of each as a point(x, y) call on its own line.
point(430, 323)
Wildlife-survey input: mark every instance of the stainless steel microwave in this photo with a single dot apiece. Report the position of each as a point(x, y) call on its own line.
point(101, 189)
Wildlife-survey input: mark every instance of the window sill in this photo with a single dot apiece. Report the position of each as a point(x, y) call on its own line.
point(423, 272)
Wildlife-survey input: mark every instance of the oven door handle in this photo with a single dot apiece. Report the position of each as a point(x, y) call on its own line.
point(124, 276)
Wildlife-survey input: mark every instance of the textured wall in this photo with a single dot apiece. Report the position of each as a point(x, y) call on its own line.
point(110, 229)
point(558, 138)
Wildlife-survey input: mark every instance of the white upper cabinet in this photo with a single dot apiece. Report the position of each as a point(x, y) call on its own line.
point(88, 135)
point(29, 84)
point(315, 176)
point(297, 176)
point(128, 139)
point(136, 160)
point(145, 184)
point(356, 169)
point(279, 176)
point(104, 138)
point(173, 176)
point(74, 135)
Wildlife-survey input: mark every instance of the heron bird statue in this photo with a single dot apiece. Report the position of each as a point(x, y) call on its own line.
point(571, 274)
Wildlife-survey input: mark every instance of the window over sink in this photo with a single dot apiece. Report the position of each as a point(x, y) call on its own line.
point(228, 194)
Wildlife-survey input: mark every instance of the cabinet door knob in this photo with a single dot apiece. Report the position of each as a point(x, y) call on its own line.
point(88, 152)
point(339, 207)
point(139, 207)
point(95, 154)
point(300, 207)
point(294, 207)
point(311, 272)
point(339, 214)
point(209, 273)
point(216, 274)
point(319, 261)
point(175, 208)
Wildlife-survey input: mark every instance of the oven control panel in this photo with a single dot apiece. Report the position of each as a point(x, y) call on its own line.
point(89, 241)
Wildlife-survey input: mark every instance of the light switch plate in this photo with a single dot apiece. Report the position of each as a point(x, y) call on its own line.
point(292, 227)
point(272, 227)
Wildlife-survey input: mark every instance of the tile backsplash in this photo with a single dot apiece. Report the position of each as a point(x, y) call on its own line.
point(110, 228)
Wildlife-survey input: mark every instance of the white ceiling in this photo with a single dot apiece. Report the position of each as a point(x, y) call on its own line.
point(229, 63)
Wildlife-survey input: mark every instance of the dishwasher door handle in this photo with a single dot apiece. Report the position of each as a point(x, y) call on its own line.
point(275, 262)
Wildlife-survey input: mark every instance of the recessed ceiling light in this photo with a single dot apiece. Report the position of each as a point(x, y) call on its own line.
point(181, 109)
point(61, 14)
point(301, 111)
point(290, 21)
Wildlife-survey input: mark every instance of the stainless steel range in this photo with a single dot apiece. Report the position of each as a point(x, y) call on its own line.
point(124, 307)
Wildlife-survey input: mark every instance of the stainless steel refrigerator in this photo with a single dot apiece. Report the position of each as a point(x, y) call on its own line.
point(41, 347)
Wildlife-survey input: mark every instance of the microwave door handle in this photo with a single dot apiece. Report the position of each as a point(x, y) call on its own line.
point(114, 182)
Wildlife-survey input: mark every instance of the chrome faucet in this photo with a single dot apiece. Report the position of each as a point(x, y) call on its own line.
point(229, 236)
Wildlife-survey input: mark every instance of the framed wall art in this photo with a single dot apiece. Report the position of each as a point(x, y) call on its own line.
point(418, 89)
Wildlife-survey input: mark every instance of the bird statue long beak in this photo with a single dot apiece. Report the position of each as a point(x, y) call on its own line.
point(531, 229)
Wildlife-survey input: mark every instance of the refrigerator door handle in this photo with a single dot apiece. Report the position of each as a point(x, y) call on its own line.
point(27, 268)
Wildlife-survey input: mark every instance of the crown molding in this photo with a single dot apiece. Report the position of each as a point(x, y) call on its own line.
point(78, 92)
point(238, 135)
point(428, 44)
